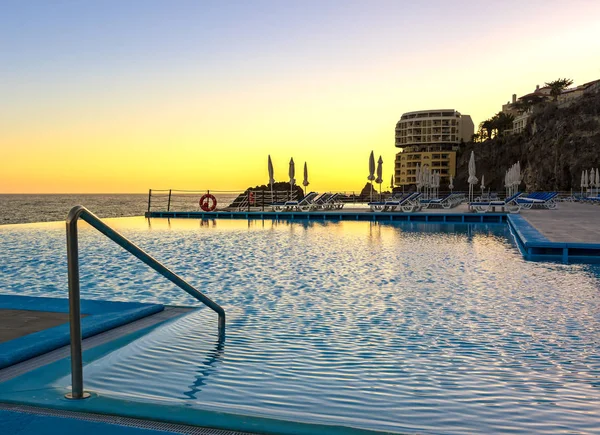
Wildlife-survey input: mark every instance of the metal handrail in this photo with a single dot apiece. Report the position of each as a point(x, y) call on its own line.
point(80, 212)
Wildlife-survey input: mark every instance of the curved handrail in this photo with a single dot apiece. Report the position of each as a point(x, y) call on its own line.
point(80, 212)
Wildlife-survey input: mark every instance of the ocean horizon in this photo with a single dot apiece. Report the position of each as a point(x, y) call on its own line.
point(48, 207)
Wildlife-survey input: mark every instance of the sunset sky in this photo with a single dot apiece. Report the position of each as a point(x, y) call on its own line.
point(122, 96)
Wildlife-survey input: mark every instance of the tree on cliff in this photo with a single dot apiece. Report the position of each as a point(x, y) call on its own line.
point(485, 130)
point(557, 86)
point(501, 122)
point(495, 126)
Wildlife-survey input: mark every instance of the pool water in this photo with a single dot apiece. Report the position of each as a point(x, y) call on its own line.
point(428, 328)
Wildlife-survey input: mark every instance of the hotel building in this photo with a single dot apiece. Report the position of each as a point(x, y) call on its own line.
point(429, 138)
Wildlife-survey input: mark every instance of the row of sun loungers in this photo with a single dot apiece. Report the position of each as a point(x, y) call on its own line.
point(539, 199)
point(412, 202)
point(516, 202)
point(406, 202)
point(451, 200)
point(311, 202)
point(587, 199)
point(509, 204)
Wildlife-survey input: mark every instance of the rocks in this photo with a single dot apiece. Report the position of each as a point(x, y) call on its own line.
point(557, 145)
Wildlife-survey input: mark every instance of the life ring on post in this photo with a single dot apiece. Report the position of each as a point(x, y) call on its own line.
point(208, 202)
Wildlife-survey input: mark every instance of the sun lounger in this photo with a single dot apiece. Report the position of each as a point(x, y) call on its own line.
point(388, 204)
point(454, 200)
point(538, 199)
point(312, 203)
point(325, 201)
point(295, 205)
point(321, 200)
point(333, 202)
point(434, 202)
point(592, 199)
point(509, 204)
point(588, 199)
point(449, 201)
point(412, 203)
point(408, 203)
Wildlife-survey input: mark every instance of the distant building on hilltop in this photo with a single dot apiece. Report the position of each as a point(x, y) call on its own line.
point(521, 114)
point(429, 138)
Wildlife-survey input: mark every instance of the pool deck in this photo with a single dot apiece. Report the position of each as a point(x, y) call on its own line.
point(569, 234)
point(32, 326)
point(569, 223)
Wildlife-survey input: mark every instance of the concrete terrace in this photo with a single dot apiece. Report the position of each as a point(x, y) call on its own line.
point(569, 223)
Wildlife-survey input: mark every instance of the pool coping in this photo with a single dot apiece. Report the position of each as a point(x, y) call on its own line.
point(338, 215)
point(536, 247)
point(101, 316)
point(37, 387)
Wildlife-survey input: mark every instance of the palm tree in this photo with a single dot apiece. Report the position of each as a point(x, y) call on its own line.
point(557, 86)
point(502, 122)
point(487, 127)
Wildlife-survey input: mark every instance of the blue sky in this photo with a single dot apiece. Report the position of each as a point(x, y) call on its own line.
point(239, 80)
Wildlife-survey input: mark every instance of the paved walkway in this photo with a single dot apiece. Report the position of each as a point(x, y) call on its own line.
point(570, 222)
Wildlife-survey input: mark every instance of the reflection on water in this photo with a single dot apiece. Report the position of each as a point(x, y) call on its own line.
point(406, 327)
point(208, 366)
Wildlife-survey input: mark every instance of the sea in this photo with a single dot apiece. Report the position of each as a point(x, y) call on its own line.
point(30, 208)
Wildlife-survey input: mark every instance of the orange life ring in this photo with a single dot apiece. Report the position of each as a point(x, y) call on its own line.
point(208, 202)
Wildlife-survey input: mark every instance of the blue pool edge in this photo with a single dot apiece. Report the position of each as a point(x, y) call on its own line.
point(38, 388)
point(534, 246)
point(101, 316)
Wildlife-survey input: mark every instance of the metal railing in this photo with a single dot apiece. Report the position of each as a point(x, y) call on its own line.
point(171, 200)
point(177, 200)
point(80, 212)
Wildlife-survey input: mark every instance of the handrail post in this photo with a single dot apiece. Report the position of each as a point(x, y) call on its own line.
point(74, 310)
point(169, 203)
point(74, 289)
point(149, 199)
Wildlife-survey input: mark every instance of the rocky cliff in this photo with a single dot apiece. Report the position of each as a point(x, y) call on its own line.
point(556, 146)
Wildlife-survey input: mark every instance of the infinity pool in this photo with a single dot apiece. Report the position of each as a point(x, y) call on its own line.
point(408, 328)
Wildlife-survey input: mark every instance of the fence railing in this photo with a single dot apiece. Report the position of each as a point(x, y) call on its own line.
point(263, 199)
point(190, 200)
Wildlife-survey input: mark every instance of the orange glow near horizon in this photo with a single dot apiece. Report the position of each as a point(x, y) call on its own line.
point(194, 116)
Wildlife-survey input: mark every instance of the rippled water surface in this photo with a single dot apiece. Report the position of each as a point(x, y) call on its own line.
point(401, 327)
